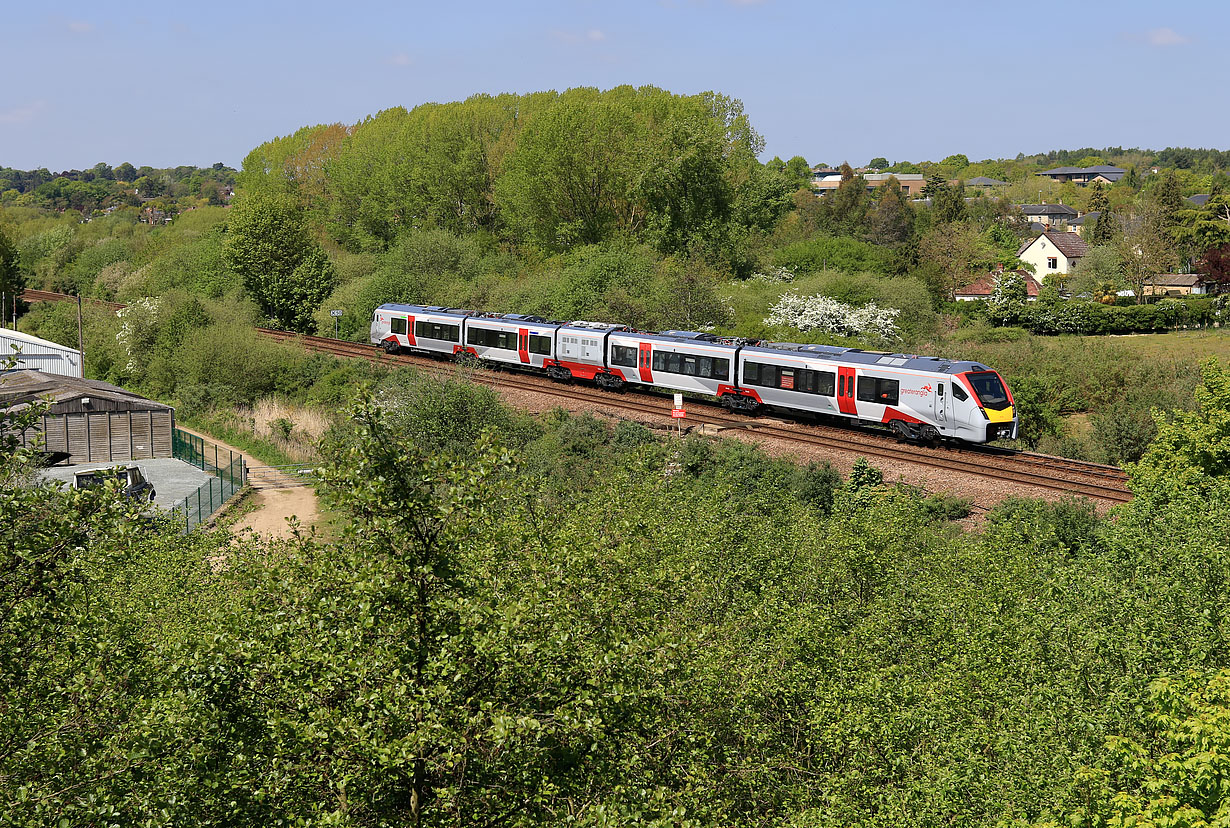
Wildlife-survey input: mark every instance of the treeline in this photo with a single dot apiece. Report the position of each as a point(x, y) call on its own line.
point(104, 186)
point(552, 170)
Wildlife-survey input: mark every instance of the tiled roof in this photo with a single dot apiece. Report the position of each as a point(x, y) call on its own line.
point(1175, 280)
point(1200, 199)
point(985, 284)
point(983, 181)
point(1069, 244)
point(1080, 220)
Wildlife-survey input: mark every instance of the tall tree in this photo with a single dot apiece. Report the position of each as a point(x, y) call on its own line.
point(848, 204)
point(1145, 248)
point(892, 220)
point(268, 245)
point(948, 203)
point(12, 280)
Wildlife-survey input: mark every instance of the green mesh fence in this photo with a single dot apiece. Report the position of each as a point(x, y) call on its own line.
point(226, 467)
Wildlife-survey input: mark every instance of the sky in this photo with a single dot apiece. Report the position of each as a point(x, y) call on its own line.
point(188, 82)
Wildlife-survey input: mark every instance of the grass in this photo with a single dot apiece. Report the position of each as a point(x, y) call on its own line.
point(1194, 346)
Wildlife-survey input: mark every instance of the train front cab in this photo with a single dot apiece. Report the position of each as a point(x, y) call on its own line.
point(988, 401)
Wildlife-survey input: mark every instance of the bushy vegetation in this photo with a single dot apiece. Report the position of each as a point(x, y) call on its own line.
point(684, 633)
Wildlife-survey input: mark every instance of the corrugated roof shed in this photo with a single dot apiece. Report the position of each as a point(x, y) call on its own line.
point(39, 354)
point(68, 394)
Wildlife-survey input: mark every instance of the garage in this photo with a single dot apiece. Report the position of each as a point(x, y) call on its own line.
point(89, 420)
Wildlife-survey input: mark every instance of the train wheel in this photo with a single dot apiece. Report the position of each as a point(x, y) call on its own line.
point(390, 346)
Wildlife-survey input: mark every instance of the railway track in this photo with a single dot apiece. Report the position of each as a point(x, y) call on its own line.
point(1056, 474)
point(1037, 470)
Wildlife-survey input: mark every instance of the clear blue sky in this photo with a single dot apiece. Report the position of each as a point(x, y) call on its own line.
point(193, 83)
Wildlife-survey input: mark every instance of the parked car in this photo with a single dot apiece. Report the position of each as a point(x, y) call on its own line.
point(132, 481)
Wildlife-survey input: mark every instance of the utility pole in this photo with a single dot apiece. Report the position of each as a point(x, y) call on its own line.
point(80, 338)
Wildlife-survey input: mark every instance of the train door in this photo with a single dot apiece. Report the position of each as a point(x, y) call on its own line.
point(644, 362)
point(523, 345)
point(845, 390)
point(941, 405)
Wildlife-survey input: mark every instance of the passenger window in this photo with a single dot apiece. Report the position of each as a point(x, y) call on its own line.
point(398, 325)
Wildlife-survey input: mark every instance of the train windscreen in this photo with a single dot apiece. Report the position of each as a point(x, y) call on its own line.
point(990, 390)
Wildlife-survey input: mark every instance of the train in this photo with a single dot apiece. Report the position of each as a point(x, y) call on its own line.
point(919, 398)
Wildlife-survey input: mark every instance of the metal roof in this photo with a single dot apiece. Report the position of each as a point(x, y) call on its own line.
point(20, 388)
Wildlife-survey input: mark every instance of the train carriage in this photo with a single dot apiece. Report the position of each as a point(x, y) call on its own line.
point(917, 397)
point(428, 329)
point(679, 360)
point(511, 338)
point(580, 353)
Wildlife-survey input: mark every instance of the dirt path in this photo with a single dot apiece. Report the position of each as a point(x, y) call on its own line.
point(273, 503)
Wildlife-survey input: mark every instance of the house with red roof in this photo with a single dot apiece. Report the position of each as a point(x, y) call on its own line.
point(984, 286)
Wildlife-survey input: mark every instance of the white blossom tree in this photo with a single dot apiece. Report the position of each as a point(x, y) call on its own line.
point(823, 313)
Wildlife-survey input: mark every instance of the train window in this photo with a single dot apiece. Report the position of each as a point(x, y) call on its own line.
point(990, 390)
point(721, 368)
point(623, 355)
point(492, 339)
point(434, 330)
point(878, 390)
point(751, 373)
point(823, 382)
point(959, 392)
point(540, 344)
point(398, 324)
point(758, 373)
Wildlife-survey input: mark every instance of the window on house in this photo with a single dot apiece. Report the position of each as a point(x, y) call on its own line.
point(1052, 262)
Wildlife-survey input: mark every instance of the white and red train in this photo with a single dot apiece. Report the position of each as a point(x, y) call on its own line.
point(918, 397)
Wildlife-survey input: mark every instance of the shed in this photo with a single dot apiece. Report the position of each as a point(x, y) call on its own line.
point(40, 354)
point(91, 421)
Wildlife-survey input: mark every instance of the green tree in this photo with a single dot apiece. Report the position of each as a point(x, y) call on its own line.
point(892, 220)
point(1145, 248)
point(1098, 275)
point(934, 186)
point(948, 204)
point(269, 246)
point(878, 163)
point(12, 280)
point(847, 206)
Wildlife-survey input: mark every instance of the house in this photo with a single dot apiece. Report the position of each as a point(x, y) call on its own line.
point(822, 181)
point(1085, 175)
point(985, 183)
point(1077, 225)
point(984, 286)
point(1053, 252)
point(1048, 215)
point(1175, 284)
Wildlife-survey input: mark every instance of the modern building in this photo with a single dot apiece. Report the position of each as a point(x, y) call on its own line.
point(39, 354)
point(1086, 175)
point(89, 420)
point(824, 180)
point(1053, 253)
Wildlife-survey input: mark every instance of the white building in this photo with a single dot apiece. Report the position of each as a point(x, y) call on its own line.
point(38, 354)
point(1053, 253)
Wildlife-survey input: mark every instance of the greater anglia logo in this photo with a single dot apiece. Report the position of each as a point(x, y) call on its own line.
point(918, 392)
